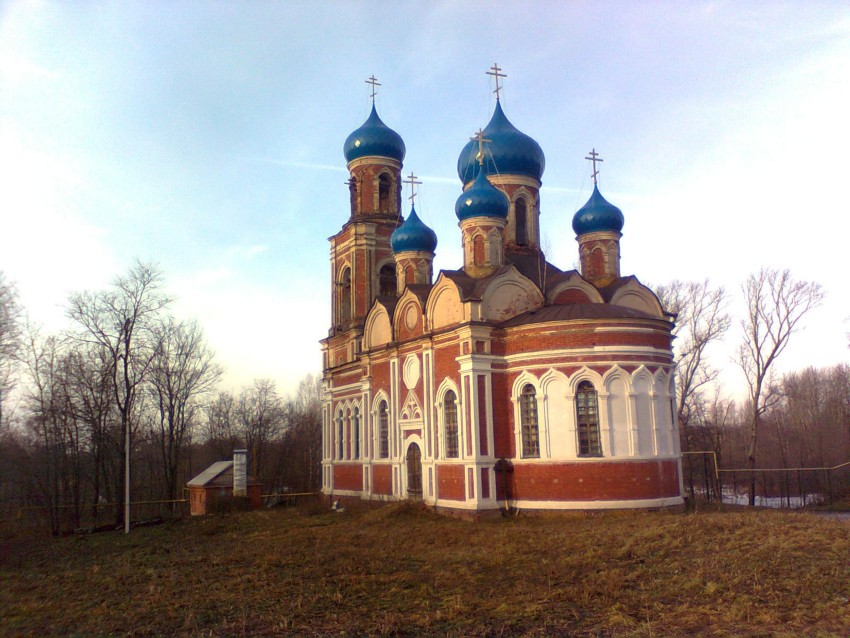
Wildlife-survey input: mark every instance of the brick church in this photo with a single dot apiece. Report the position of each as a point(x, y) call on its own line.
point(507, 383)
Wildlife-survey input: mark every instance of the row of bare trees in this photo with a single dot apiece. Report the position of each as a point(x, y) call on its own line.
point(125, 406)
point(798, 420)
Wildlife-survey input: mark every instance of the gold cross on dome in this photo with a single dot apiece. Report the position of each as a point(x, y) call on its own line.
point(495, 71)
point(593, 156)
point(374, 82)
point(479, 137)
point(411, 179)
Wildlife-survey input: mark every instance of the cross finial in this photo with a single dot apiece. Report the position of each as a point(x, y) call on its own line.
point(594, 158)
point(411, 179)
point(374, 82)
point(479, 137)
point(495, 71)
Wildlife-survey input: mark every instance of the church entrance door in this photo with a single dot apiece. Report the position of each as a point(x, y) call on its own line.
point(414, 472)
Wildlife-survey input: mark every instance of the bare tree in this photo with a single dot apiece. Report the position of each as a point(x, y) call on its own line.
point(56, 433)
point(775, 305)
point(183, 370)
point(701, 319)
point(10, 340)
point(121, 320)
point(221, 431)
point(260, 417)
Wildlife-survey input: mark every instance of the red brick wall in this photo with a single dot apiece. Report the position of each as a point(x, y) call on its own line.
point(450, 483)
point(572, 295)
point(625, 480)
point(526, 340)
point(348, 477)
point(382, 479)
point(445, 364)
point(503, 417)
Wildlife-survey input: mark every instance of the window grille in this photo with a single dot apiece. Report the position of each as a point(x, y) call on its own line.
point(587, 418)
point(450, 422)
point(355, 433)
point(340, 433)
point(384, 429)
point(528, 421)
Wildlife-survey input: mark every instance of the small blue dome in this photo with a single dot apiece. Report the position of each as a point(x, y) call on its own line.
point(413, 235)
point(482, 199)
point(509, 150)
point(596, 215)
point(374, 138)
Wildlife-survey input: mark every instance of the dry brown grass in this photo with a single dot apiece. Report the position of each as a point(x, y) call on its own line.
point(402, 570)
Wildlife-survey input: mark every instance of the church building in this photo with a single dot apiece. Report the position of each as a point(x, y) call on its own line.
point(507, 383)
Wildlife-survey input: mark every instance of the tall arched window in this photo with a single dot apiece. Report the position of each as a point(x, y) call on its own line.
point(384, 430)
point(340, 435)
point(521, 215)
point(587, 419)
point(478, 250)
point(345, 295)
point(450, 424)
point(528, 422)
point(355, 434)
point(386, 281)
point(384, 193)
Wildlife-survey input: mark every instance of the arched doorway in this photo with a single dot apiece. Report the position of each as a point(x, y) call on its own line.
point(414, 472)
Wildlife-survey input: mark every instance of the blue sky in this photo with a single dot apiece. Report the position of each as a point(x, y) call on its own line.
point(207, 137)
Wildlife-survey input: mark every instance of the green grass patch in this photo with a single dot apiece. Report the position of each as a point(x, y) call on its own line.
point(403, 570)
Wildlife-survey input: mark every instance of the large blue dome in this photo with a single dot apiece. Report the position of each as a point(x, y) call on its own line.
point(597, 215)
point(482, 199)
point(510, 151)
point(413, 235)
point(374, 138)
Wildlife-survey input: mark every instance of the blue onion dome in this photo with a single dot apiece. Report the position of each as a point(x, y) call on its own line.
point(597, 215)
point(510, 151)
point(374, 138)
point(482, 199)
point(413, 235)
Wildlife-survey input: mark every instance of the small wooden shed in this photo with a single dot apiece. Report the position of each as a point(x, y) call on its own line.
point(212, 491)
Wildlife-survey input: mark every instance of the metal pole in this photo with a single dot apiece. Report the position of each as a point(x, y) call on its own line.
point(127, 480)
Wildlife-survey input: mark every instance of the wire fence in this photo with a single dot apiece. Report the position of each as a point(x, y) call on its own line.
point(87, 517)
point(774, 486)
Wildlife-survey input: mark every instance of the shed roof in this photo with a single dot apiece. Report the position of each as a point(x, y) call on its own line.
point(210, 474)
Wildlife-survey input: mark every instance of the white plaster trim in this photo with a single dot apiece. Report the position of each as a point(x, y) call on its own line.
point(669, 501)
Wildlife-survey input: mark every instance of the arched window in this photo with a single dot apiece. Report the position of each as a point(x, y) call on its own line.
point(409, 275)
point(384, 193)
point(587, 419)
point(384, 430)
point(478, 250)
point(345, 295)
point(528, 422)
point(355, 434)
point(450, 424)
point(340, 435)
point(386, 281)
point(521, 215)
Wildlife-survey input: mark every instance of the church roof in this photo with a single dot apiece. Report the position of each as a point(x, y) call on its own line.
point(413, 234)
point(374, 138)
point(482, 199)
point(509, 151)
point(598, 214)
point(576, 311)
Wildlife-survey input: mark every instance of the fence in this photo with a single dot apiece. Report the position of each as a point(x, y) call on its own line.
point(775, 486)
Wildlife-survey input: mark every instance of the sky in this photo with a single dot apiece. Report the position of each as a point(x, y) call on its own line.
point(207, 137)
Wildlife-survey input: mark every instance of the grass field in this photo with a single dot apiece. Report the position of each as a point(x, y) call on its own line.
point(403, 570)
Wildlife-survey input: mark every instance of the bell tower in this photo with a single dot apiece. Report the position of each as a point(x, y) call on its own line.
point(362, 263)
